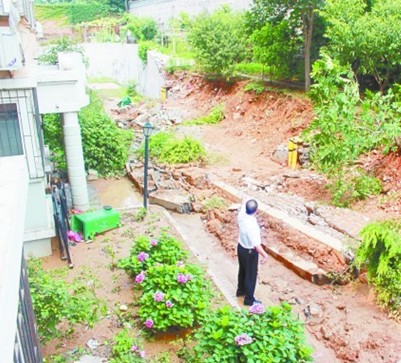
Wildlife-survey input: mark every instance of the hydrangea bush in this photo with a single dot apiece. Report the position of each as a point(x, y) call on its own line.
point(173, 296)
point(255, 336)
point(147, 252)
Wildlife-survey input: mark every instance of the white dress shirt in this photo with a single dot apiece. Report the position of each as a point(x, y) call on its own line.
point(249, 230)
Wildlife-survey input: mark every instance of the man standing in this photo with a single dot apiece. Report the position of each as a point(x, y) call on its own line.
point(249, 248)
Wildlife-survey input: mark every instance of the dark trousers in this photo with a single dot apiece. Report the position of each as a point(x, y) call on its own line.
point(247, 273)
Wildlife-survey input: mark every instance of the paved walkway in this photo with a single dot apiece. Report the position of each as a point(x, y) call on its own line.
point(223, 270)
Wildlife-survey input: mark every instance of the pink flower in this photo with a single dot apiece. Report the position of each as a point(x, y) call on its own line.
point(189, 277)
point(257, 309)
point(142, 354)
point(169, 304)
point(181, 278)
point(134, 348)
point(140, 277)
point(149, 323)
point(158, 296)
point(142, 256)
point(243, 339)
point(154, 242)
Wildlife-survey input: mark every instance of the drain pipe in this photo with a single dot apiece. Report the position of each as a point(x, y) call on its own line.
point(75, 161)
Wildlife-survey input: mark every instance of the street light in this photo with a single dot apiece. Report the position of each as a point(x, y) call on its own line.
point(147, 130)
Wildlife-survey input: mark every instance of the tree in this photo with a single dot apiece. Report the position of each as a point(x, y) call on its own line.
point(274, 47)
point(366, 36)
point(218, 41)
point(299, 13)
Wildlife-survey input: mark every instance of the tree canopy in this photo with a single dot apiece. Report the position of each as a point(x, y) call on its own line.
point(219, 41)
point(367, 37)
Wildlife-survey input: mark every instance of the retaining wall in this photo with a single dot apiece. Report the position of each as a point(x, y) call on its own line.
point(122, 63)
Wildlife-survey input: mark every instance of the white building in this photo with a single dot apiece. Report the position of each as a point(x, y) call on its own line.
point(26, 219)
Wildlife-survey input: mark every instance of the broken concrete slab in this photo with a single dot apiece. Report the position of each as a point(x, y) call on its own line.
point(343, 220)
point(322, 237)
point(308, 270)
point(171, 200)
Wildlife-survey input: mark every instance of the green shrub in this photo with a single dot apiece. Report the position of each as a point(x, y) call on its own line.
point(83, 12)
point(143, 49)
point(54, 302)
point(147, 252)
point(215, 115)
point(274, 335)
point(140, 28)
point(126, 349)
point(105, 146)
point(166, 148)
point(53, 137)
point(346, 126)
point(251, 68)
point(218, 41)
point(64, 44)
point(349, 186)
point(380, 250)
point(174, 296)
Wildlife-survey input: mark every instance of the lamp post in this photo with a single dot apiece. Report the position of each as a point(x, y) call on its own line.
point(147, 130)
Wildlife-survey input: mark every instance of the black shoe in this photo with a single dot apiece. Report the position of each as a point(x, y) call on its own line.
point(250, 303)
point(239, 293)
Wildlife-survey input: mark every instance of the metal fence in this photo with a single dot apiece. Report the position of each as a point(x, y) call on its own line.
point(20, 128)
point(27, 347)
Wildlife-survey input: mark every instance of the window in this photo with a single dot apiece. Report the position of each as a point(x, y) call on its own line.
point(10, 135)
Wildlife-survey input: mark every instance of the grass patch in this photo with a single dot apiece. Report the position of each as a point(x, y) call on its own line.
point(256, 87)
point(112, 93)
point(251, 68)
point(214, 202)
point(167, 148)
point(215, 115)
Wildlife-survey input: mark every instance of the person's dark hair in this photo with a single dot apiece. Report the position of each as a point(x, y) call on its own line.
point(251, 206)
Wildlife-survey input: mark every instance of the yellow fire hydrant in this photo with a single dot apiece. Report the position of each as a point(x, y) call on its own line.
point(293, 145)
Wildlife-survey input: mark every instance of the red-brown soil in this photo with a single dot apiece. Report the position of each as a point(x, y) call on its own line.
point(255, 125)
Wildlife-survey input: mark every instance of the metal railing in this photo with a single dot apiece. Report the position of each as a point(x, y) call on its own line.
point(26, 347)
point(24, 111)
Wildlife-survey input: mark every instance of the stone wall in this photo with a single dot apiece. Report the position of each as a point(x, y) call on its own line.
point(163, 10)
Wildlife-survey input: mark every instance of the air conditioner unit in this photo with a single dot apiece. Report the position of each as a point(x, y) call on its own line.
point(10, 50)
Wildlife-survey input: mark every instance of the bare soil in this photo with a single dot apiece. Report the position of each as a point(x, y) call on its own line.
point(347, 319)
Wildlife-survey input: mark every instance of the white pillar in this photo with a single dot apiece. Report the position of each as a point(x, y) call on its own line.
point(75, 160)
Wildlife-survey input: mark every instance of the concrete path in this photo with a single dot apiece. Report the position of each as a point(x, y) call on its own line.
point(223, 270)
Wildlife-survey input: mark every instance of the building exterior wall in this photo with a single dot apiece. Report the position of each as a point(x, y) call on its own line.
point(14, 192)
point(163, 10)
